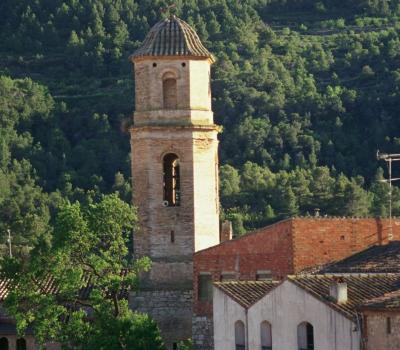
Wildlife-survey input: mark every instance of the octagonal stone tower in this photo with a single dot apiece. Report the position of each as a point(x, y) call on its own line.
point(175, 170)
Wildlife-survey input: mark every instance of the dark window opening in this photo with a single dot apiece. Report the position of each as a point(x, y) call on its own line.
point(154, 64)
point(171, 180)
point(170, 93)
point(205, 288)
point(240, 336)
point(388, 325)
point(3, 343)
point(172, 236)
point(266, 335)
point(305, 336)
point(174, 346)
point(228, 276)
point(21, 344)
point(264, 275)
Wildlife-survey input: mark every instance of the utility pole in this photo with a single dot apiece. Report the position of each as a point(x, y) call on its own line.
point(9, 242)
point(389, 159)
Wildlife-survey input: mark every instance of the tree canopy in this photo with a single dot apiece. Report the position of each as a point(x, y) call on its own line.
point(75, 290)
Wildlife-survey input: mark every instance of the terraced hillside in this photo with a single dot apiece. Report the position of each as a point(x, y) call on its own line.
point(306, 92)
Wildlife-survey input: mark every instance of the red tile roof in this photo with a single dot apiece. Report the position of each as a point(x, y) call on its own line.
point(360, 288)
point(49, 286)
point(172, 37)
point(379, 259)
point(246, 293)
point(387, 301)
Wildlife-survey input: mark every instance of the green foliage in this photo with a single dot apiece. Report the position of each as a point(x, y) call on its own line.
point(24, 207)
point(185, 345)
point(89, 247)
point(306, 91)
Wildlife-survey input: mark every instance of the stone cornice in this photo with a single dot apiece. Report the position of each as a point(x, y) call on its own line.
point(212, 127)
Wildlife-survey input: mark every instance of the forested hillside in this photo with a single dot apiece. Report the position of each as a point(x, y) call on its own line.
point(306, 91)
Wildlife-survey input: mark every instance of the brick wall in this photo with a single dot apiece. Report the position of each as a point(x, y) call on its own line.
point(269, 248)
point(375, 333)
point(288, 247)
point(318, 241)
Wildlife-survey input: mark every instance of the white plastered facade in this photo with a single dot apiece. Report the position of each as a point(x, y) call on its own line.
point(285, 307)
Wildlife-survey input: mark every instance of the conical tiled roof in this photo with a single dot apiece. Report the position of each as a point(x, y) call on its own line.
point(172, 37)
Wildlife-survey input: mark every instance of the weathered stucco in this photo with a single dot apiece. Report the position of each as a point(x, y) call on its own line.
point(376, 333)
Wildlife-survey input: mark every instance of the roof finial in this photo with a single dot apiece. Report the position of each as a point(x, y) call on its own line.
point(169, 10)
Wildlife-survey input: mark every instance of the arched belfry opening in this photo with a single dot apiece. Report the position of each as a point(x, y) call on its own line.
point(170, 95)
point(171, 180)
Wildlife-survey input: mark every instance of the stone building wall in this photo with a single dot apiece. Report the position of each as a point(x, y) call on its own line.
point(195, 223)
point(193, 91)
point(172, 309)
point(169, 235)
point(376, 335)
point(29, 341)
point(203, 333)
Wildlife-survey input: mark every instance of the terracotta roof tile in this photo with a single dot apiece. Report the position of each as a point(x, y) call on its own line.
point(4, 288)
point(246, 293)
point(360, 288)
point(378, 259)
point(172, 37)
point(49, 286)
point(387, 301)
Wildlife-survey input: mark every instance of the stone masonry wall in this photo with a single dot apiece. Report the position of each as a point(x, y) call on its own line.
point(376, 335)
point(171, 258)
point(196, 221)
point(202, 333)
point(172, 310)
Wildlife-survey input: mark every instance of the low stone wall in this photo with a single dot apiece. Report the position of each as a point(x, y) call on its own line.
point(202, 333)
point(172, 309)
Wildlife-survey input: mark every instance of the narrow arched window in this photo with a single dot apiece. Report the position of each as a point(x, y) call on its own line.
point(169, 93)
point(239, 336)
point(171, 180)
point(266, 335)
point(305, 336)
point(21, 344)
point(3, 343)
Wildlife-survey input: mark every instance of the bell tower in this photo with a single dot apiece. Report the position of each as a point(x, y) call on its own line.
point(174, 168)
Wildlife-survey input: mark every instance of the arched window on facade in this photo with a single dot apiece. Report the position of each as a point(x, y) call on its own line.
point(171, 180)
point(240, 336)
point(266, 335)
point(21, 344)
point(170, 96)
point(3, 343)
point(305, 336)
